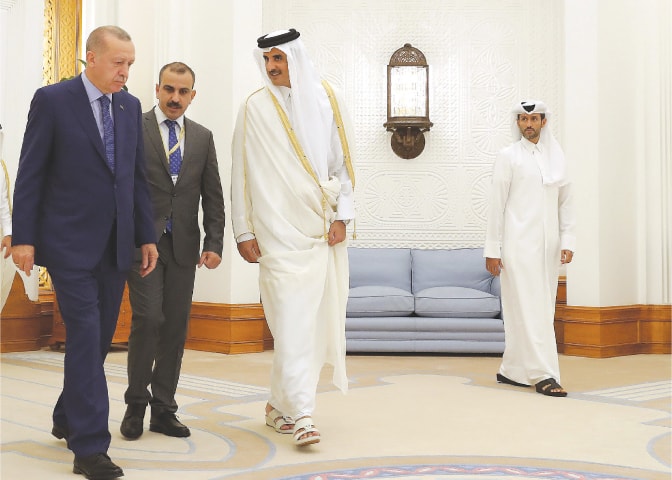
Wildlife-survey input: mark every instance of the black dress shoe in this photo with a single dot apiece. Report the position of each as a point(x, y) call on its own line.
point(60, 431)
point(131, 425)
point(97, 467)
point(168, 424)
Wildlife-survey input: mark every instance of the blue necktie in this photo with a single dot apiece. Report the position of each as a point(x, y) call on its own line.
point(108, 131)
point(175, 157)
point(175, 160)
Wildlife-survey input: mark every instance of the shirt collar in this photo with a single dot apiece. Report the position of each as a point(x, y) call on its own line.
point(530, 147)
point(161, 117)
point(91, 90)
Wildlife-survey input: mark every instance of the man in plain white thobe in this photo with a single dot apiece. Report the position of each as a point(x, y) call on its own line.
point(529, 235)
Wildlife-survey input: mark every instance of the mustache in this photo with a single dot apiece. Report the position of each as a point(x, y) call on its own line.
point(174, 105)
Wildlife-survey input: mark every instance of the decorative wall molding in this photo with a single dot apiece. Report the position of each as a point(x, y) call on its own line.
point(62, 39)
point(7, 4)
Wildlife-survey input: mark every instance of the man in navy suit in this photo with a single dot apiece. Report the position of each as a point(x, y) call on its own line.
point(81, 206)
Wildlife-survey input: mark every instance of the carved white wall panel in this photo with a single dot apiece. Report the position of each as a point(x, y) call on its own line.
point(483, 57)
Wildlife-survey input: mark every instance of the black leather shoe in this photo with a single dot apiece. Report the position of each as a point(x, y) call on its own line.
point(60, 431)
point(168, 424)
point(131, 425)
point(97, 467)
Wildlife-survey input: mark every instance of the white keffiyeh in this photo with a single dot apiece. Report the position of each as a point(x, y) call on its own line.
point(555, 171)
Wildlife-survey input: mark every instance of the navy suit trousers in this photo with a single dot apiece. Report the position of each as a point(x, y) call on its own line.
point(89, 301)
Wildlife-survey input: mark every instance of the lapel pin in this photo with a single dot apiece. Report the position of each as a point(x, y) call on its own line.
point(121, 106)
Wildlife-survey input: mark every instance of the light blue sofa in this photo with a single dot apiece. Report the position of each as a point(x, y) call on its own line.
point(414, 300)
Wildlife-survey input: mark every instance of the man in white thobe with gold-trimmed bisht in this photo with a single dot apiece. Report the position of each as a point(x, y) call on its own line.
point(530, 233)
point(292, 197)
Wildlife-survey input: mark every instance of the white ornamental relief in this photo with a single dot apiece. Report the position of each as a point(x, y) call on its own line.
point(480, 191)
point(411, 198)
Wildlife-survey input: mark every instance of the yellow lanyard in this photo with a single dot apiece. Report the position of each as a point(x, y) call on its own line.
point(176, 146)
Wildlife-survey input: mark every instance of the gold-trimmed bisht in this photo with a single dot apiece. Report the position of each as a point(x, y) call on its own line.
point(301, 154)
point(302, 157)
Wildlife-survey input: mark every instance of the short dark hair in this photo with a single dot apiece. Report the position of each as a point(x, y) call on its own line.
point(178, 67)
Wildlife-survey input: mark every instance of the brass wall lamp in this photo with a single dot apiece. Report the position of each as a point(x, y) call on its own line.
point(408, 101)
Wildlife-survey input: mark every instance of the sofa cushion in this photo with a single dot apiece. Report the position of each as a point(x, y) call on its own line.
point(414, 327)
point(462, 267)
point(383, 267)
point(456, 302)
point(377, 301)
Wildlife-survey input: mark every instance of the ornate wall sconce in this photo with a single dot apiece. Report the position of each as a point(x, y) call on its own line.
point(408, 101)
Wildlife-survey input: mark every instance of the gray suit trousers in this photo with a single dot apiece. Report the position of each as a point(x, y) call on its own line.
point(161, 304)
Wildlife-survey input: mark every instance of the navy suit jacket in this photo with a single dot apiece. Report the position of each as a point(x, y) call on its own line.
point(66, 199)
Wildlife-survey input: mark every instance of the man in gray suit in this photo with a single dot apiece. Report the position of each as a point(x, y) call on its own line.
point(181, 169)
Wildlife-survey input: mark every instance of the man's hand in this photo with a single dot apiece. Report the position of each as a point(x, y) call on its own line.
point(494, 266)
point(24, 258)
point(249, 250)
point(336, 233)
point(566, 256)
point(149, 257)
point(6, 245)
point(210, 260)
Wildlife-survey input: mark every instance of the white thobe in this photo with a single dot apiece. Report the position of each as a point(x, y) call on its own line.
point(302, 280)
point(529, 223)
point(7, 269)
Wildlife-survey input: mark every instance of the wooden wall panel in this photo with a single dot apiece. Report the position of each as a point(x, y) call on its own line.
point(121, 333)
point(601, 332)
point(226, 328)
point(596, 332)
point(24, 325)
point(268, 337)
point(655, 328)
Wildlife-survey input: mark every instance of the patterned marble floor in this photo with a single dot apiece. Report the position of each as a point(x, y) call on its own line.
point(405, 417)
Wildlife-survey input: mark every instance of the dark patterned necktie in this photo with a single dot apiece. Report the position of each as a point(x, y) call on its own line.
point(175, 158)
point(108, 131)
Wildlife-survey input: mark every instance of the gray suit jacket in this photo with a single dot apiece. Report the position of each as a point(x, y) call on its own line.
point(198, 179)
